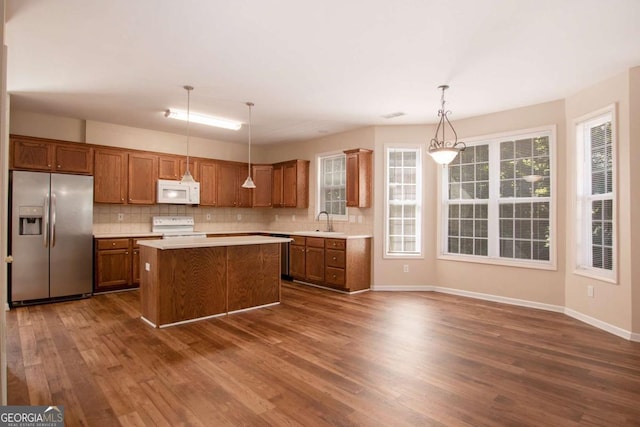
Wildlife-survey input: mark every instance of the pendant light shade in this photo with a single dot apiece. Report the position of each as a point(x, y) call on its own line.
point(248, 183)
point(442, 151)
point(187, 177)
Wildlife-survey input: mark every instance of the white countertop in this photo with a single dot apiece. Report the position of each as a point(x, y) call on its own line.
point(199, 242)
point(325, 234)
point(310, 233)
point(132, 234)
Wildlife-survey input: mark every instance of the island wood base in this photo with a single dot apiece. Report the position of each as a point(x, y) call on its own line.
point(194, 283)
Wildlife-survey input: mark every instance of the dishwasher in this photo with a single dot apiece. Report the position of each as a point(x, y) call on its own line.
point(284, 257)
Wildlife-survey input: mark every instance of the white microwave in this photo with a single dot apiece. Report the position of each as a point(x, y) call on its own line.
point(178, 192)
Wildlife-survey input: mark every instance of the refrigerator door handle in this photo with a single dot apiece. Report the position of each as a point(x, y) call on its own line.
point(45, 231)
point(53, 220)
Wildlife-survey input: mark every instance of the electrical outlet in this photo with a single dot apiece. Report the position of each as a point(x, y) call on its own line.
point(239, 217)
point(120, 217)
point(590, 291)
point(208, 217)
point(293, 217)
point(359, 219)
point(405, 268)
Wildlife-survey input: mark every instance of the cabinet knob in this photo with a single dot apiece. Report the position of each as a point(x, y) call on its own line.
point(48, 166)
point(113, 244)
point(122, 199)
point(334, 276)
point(334, 258)
point(59, 166)
point(126, 253)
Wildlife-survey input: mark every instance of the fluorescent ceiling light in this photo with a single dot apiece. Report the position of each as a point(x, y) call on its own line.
point(202, 119)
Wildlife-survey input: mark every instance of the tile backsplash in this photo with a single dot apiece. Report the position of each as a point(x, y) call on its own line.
point(137, 219)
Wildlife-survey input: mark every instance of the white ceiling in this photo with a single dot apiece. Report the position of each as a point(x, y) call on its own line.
point(311, 67)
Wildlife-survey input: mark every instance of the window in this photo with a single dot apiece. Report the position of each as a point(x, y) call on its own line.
point(332, 185)
point(596, 201)
point(403, 202)
point(497, 201)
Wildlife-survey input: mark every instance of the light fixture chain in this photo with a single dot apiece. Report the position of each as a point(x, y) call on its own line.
point(188, 88)
point(250, 105)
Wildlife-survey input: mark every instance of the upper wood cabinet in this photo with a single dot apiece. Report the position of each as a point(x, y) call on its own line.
point(262, 177)
point(73, 159)
point(46, 155)
point(173, 167)
point(291, 184)
point(229, 179)
point(143, 177)
point(359, 171)
point(124, 177)
point(110, 176)
point(276, 185)
point(208, 183)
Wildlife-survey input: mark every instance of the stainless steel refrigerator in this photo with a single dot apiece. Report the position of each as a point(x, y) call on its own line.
point(51, 236)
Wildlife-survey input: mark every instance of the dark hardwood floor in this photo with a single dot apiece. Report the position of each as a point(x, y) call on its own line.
point(322, 358)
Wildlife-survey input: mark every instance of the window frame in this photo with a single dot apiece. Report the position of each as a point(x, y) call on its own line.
point(319, 175)
point(419, 203)
point(494, 200)
point(583, 247)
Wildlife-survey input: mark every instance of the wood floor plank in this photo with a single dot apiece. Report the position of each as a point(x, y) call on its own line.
point(323, 358)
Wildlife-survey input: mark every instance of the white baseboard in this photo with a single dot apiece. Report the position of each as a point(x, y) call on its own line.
point(406, 288)
point(514, 301)
point(622, 333)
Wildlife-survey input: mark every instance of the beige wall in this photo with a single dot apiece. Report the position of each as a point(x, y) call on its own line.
point(611, 302)
point(163, 142)
point(542, 286)
point(4, 205)
point(47, 126)
point(634, 187)
point(390, 271)
point(360, 219)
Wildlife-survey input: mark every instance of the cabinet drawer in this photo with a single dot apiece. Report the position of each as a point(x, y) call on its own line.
point(104, 244)
point(336, 244)
point(335, 258)
point(335, 276)
point(298, 240)
point(315, 242)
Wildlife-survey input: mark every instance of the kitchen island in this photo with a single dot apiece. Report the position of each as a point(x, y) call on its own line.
point(187, 279)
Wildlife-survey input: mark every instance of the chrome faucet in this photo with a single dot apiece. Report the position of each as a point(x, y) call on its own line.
point(329, 222)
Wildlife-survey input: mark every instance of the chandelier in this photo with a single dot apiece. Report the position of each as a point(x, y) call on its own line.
point(442, 150)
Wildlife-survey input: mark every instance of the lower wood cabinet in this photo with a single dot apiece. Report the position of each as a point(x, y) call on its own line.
point(117, 264)
point(343, 264)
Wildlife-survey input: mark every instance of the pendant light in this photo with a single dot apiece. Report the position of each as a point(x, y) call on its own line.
point(443, 151)
point(248, 183)
point(187, 177)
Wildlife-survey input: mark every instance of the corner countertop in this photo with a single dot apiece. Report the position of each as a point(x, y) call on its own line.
point(200, 242)
point(310, 233)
